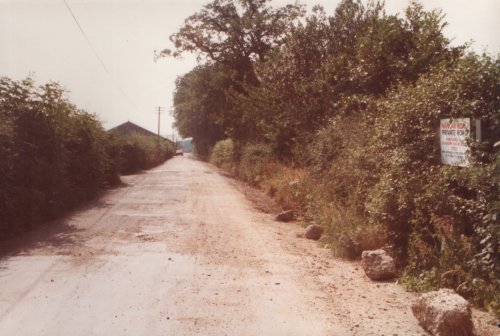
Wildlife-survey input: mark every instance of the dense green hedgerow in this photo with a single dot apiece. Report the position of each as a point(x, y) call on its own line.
point(253, 159)
point(442, 218)
point(53, 155)
point(138, 152)
point(380, 175)
point(222, 154)
point(376, 180)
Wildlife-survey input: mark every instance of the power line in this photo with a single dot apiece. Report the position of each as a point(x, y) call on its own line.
point(97, 54)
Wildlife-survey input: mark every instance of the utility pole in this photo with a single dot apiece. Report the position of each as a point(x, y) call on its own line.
point(173, 137)
point(159, 110)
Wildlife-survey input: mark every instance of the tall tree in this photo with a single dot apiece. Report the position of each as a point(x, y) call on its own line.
point(200, 102)
point(235, 33)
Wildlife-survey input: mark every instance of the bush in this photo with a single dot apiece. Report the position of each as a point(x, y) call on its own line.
point(222, 154)
point(53, 155)
point(377, 180)
point(253, 158)
point(440, 218)
point(345, 169)
point(345, 227)
point(138, 152)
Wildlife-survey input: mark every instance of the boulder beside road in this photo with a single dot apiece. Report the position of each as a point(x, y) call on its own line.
point(285, 216)
point(314, 232)
point(378, 265)
point(444, 313)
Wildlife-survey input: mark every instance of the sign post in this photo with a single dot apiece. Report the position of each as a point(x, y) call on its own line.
point(454, 134)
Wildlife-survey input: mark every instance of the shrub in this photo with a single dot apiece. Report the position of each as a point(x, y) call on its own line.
point(289, 186)
point(441, 218)
point(345, 169)
point(138, 152)
point(253, 158)
point(53, 155)
point(222, 154)
point(376, 179)
point(346, 228)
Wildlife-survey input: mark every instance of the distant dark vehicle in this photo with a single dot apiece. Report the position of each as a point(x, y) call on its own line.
point(179, 152)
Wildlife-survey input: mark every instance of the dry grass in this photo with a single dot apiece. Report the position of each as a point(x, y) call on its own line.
point(260, 200)
point(346, 230)
point(287, 185)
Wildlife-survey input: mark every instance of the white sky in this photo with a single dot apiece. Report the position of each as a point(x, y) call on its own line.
point(40, 37)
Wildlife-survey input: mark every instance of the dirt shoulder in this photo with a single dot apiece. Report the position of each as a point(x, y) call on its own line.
point(361, 297)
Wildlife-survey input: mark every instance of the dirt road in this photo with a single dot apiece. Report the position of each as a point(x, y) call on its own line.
point(179, 251)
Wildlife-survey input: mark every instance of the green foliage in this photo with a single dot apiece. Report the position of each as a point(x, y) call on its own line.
point(201, 102)
point(53, 155)
point(138, 152)
point(222, 154)
point(440, 216)
point(233, 33)
point(331, 66)
point(345, 225)
point(253, 159)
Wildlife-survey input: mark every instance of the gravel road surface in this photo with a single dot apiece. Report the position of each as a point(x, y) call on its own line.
point(178, 250)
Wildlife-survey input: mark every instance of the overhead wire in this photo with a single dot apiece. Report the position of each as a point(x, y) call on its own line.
point(97, 54)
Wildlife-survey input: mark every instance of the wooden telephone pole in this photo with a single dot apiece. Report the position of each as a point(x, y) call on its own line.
point(160, 110)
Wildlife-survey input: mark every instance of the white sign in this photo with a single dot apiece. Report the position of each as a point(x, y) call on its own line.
point(454, 134)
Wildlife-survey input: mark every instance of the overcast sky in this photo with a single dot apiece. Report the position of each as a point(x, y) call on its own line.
point(111, 72)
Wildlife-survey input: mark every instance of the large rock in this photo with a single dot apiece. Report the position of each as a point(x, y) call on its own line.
point(444, 313)
point(314, 232)
point(285, 216)
point(378, 265)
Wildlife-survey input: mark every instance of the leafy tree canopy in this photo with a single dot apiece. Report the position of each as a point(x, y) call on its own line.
point(235, 33)
point(200, 100)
